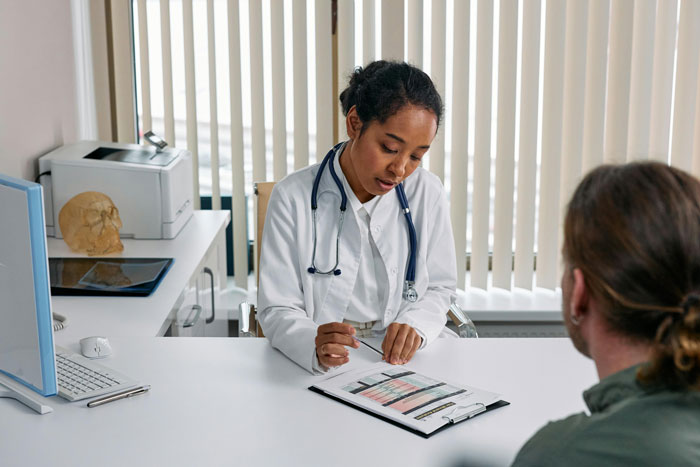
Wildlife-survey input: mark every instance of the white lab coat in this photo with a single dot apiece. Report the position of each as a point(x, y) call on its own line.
point(292, 303)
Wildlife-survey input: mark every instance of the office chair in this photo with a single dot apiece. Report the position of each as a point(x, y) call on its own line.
point(247, 320)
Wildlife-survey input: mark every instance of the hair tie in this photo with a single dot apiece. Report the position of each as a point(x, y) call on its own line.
point(691, 300)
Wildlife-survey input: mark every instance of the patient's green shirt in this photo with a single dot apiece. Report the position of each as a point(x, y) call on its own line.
point(629, 425)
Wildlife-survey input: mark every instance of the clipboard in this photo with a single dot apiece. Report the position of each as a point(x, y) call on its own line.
point(402, 397)
point(453, 421)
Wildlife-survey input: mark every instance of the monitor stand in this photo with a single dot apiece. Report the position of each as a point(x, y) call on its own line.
point(11, 389)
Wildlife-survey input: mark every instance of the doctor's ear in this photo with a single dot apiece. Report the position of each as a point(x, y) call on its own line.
point(353, 123)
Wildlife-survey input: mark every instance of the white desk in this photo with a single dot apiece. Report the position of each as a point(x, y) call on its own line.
point(143, 316)
point(218, 401)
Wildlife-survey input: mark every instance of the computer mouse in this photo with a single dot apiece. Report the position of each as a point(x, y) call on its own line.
point(95, 347)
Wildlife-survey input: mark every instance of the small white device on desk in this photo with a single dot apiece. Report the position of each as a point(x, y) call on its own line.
point(151, 186)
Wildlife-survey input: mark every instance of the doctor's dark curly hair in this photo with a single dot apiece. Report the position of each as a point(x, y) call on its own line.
point(382, 88)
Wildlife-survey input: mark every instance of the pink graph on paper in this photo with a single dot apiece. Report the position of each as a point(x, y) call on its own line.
point(389, 391)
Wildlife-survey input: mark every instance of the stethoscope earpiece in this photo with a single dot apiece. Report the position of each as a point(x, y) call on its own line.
point(312, 270)
point(336, 272)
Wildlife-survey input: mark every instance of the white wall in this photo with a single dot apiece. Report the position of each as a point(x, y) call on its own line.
point(38, 109)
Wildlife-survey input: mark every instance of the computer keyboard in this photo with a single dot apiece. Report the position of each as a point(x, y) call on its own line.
point(81, 378)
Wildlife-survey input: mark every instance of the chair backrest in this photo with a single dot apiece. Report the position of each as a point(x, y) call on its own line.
point(262, 192)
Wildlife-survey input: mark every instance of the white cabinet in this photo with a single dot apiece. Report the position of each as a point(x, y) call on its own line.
point(195, 313)
point(200, 247)
point(188, 320)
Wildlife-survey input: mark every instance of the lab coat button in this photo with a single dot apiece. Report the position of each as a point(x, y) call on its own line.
point(377, 228)
point(394, 270)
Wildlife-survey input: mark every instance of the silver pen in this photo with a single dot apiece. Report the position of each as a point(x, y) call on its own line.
point(119, 395)
point(371, 347)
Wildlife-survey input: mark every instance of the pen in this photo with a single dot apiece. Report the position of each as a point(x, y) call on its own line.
point(119, 395)
point(365, 343)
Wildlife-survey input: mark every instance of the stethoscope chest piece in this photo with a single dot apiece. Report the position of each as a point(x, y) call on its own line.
point(409, 292)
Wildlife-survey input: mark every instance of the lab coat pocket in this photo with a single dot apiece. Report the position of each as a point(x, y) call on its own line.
point(422, 276)
point(321, 285)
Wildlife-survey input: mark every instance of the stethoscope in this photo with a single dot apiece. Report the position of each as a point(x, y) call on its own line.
point(409, 290)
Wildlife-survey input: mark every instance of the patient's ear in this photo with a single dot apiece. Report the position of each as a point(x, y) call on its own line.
point(580, 295)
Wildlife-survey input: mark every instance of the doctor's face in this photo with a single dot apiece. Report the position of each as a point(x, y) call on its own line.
point(385, 154)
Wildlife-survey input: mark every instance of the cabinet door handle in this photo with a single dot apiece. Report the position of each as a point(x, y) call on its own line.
point(190, 321)
point(213, 310)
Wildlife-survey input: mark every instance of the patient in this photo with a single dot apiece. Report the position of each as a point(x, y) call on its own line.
point(631, 302)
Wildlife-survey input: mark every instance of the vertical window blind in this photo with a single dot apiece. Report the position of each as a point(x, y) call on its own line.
point(536, 92)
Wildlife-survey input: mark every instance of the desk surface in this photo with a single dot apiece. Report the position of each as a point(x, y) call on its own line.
point(139, 316)
point(218, 401)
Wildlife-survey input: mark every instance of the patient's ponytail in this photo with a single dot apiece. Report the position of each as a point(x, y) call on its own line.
point(676, 351)
point(634, 232)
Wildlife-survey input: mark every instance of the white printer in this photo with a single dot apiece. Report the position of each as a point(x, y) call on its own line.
point(152, 188)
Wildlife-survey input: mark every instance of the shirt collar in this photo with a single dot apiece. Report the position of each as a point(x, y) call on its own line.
point(613, 389)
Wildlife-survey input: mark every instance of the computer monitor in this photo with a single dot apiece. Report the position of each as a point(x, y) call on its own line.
point(26, 330)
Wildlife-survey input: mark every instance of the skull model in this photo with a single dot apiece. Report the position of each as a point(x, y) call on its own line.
point(90, 224)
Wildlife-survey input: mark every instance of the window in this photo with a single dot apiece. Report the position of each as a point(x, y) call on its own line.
point(536, 94)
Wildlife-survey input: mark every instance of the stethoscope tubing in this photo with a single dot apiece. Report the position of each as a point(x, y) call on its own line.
point(409, 292)
point(317, 180)
point(328, 160)
point(334, 270)
point(411, 267)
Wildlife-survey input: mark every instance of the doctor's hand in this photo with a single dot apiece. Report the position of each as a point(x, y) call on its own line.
point(331, 340)
point(400, 343)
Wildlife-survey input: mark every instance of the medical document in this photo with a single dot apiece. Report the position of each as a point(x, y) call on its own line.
point(417, 402)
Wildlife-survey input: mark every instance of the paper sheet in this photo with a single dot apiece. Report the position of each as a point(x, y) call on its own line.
point(396, 392)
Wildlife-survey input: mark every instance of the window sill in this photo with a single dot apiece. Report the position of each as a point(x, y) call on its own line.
point(516, 305)
point(499, 305)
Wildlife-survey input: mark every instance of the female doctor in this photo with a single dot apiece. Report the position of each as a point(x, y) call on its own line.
point(362, 242)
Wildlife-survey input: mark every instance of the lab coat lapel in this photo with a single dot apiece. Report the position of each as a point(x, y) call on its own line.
point(393, 251)
point(341, 287)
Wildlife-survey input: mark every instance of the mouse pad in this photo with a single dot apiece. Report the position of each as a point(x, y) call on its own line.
point(107, 276)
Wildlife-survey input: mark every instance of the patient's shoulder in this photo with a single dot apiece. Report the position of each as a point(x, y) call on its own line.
point(550, 444)
point(654, 429)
